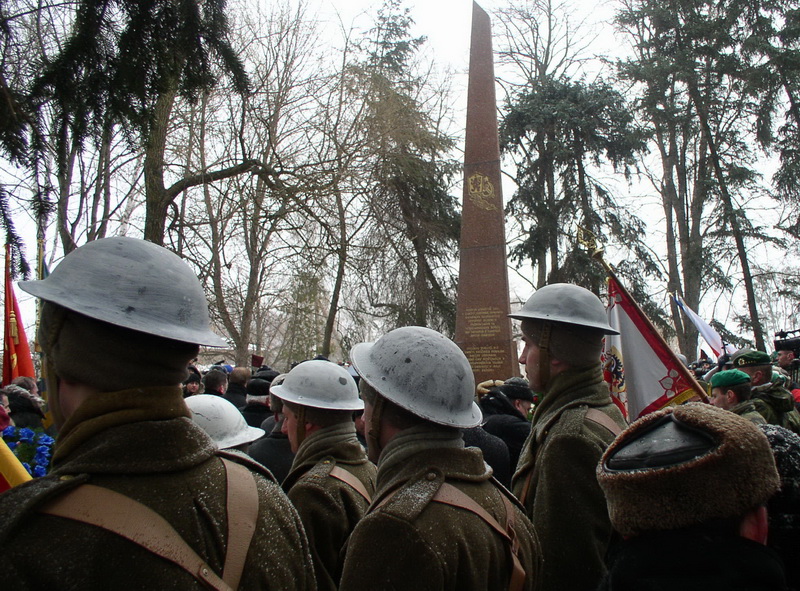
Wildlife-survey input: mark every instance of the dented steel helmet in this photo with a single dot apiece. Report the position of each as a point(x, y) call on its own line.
point(422, 371)
point(319, 384)
point(566, 303)
point(134, 284)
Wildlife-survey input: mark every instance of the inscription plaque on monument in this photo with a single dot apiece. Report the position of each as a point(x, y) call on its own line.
point(483, 329)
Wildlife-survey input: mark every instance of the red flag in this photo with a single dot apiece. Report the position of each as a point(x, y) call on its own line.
point(16, 353)
point(643, 372)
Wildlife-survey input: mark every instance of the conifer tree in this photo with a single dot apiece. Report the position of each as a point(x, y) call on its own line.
point(410, 176)
point(124, 64)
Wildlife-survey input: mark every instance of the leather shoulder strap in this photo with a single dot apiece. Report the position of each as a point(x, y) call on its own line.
point(517, 581)
point(242, 506)
point(141, 525)
point(350, 479)
point(450, 495)
point(526, 486)
point(133, 521)
point(243, 459)
point(601, 418)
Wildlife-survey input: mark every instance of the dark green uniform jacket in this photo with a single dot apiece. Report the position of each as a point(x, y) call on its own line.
point(410, 542)
point(558, 464)
point(776, 405)
point(747, 409)
point(328, 507)
point(142, 444)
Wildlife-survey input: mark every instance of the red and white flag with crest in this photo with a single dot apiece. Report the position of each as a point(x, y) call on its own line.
point(644, 374)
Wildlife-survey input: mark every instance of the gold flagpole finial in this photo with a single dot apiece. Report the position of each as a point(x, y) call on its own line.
point(588, 240)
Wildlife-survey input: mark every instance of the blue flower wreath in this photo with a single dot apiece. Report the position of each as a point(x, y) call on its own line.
point(33, 448)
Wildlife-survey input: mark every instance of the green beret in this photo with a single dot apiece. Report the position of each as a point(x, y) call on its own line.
point(749, 358)
point(730, 377)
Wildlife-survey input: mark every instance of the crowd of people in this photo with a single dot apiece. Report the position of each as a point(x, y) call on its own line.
point(397, 471)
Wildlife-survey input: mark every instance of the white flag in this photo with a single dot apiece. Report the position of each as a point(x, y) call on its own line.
point(644, 374)
point(710, 335)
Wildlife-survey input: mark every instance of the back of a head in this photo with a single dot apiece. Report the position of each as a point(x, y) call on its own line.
point(99, 354)
point(684, 466)
point(422, 372)
point(319, 384)
point(25, 382)
point(275, 403)
point(784, 507)
point(239, 375)
point(132, 284)
point(258, 388)
point(215, 380)
point(23, 408)
point(221, 420)
point(266, 373)
point(120, 299)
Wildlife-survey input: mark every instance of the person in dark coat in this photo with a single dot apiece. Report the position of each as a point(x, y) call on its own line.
point(331, 482)
point(257, 409)
point(494, 450)
point(25, 408)
point(575, 420)
point(127, 446)
point(215, 382)
point(192, 385)
point(769, 395)
point(783, 508)
point(731, 390)
point(438, 519)
point(687, 487)
point(237, 387)
point(274, 450)
point(505, 412)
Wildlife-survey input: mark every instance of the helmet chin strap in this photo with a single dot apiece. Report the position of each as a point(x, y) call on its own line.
point(544, 355)
point(374, 431)
point(51, 384)
point(300, 429)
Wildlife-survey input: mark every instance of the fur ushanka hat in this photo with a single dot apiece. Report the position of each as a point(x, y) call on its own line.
point(685, 465)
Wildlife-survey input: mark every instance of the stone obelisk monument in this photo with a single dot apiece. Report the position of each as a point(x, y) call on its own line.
point(483, 329)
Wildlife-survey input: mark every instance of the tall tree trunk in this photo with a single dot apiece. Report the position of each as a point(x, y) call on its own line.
point(730, 214)
point(156, 198)
point(67, 148)
point(341, 262)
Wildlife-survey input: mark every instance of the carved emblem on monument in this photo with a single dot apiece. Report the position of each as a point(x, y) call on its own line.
point(481, 191)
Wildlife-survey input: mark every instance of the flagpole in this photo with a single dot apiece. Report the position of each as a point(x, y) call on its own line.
point(597, 254)
point(12, 472)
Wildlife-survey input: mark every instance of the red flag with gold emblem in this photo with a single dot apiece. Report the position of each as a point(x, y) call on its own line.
point(16, 352)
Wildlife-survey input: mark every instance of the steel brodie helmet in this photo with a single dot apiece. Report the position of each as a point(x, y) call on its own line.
point(567, 303)
point(134, 284)
point(422, 371)
point(221, 420)
point(319, 384)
